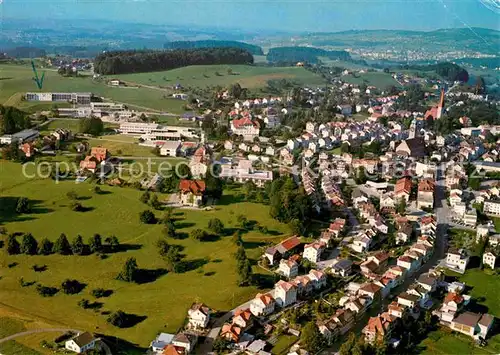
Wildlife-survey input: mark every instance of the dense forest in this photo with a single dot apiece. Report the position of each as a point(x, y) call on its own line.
point(123, 62)
point(303, 54)
point(255, 50)
point(448, 71)
point(13, 120)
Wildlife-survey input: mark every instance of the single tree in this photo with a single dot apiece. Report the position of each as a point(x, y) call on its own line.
point(244, 273)
point(61, 246)
point(129, 271)
point(145, 197)
point(29, 245)
point(216, 226)
point(198, 234)
point(147, 217)
point(22, 205)
point(113, 243)
point(77, 246)
point(46, 247)
point(95, 243)
point(118, 319)
point(71, 287)
point(173, 260)
point(154, 202)
point(169, 229)
point(163, 247)
point(13, 247)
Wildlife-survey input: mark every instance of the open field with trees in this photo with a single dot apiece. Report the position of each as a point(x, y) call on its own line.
point(251, 77)
point(17, 80)
point(159, 301)
point(378, 79)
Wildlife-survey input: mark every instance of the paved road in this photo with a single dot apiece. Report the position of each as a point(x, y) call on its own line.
point(35, 331)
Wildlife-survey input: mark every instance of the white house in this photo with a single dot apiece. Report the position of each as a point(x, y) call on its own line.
point(285, 293)
point(198, 316)
point(170, 148)
point(457, 259)
point(489, 259)
point(288, 268)
point(313, 251)
point(81, 343)
point(262, 305)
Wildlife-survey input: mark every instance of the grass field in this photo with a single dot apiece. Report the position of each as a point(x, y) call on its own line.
point(163, 301)
point(16, 80)
point(206, 75)
point(443, 342)
point(377, 79)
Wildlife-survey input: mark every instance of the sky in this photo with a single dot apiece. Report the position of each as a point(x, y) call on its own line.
point(284, 15)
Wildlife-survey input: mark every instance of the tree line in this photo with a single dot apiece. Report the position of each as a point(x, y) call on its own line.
point(122, 62)
point(253, 49)
point(30, 246)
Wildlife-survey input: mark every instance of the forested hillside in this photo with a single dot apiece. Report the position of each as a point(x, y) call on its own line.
point(303, 54)
point(124, 62)
point(255, 50)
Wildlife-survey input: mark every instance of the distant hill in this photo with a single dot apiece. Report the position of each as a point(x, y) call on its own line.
point(303, 54)
point(24, 52)
point(255, 50)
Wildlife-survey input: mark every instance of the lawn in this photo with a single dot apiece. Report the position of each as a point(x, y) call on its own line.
point(283, 344)
point(252, 77)
point(377, 79)
point(163, 301)
point(17, 79)
point(443, 342)
point(12, 347)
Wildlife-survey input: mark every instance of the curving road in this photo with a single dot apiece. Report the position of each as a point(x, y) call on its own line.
point(34, 331)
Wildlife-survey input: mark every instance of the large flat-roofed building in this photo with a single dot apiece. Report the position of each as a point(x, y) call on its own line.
point(137, 128)
point(27, 135)
point(82, 98)
point(152, 132)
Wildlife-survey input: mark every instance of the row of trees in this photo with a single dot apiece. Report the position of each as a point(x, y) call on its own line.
point(30, 246)
point(122, 62)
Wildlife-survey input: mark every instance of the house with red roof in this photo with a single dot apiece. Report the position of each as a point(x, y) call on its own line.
point(380, 327)
point(231, 332)
point(245, 127)
point(282, 250)
point(243, 318)
point(262, 305)
point(192, 192)
point(402, 188)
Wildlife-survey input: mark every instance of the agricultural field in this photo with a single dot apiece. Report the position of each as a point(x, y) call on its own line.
point(160, 302)
point(15, 80)
point(377, 79)
point(252, 77)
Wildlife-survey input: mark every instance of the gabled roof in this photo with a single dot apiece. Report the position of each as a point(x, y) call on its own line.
point(468, 318)
point(83, 339)
point(288, 244)
point(196, 187)
point(200, 307)
point(265, 298)
point(244, 314)
point(184, 337)
point(403, 185)
point(231, 329)
point(171, 349)
point(453, 297)
point(370, 288)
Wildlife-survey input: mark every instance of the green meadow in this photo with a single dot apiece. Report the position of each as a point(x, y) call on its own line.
point(161, 302)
